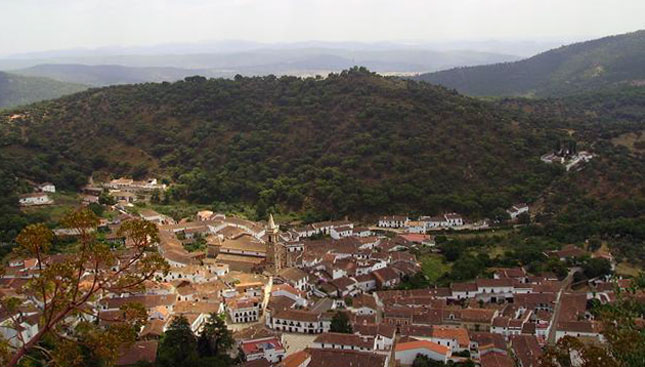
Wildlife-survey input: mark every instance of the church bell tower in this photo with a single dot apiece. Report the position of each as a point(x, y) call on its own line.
point(274, 256)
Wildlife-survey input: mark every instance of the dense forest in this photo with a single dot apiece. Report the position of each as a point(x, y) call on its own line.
point(578, 68)
point(17, 89)
point(353, 143)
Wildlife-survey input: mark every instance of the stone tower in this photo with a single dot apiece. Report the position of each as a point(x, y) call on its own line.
point(275, 250)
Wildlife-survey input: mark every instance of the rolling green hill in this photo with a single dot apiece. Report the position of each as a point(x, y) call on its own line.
point(18, 90)
point(353, 143)
point(577, 68)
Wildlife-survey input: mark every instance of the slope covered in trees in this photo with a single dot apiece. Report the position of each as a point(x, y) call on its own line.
point(353, 143)
point(577, 68)
point(18, 90)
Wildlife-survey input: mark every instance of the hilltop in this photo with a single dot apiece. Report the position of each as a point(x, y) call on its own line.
point(18, 90)
point(578, 68)
point(352, 143)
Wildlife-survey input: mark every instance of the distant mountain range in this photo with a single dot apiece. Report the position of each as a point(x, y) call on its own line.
point(102, 75)
point(18, 89)
point(581, 67)
point(106, 69)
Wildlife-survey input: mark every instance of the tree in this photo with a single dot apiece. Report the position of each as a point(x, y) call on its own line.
point(423, 361)
point(340, 323)
point(596, 267)
point(106, 199)
point(178, 347)
point(64, 289)
point(97, 209)
point(215, 338)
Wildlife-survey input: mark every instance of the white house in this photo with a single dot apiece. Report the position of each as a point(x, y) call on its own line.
point(518, 209)
point(269, 348)
point(47, 187)
point(344, 342)
point(454, 220)
point(405, 353)
point(393, 221)
point(341, 232)
point(298, 321)
point(243, 309)
point(36, 198)
point(416, 226)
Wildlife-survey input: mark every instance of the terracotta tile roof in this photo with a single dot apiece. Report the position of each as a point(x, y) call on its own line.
point(386, 275)
point(140, 351)
point(261, 362)
point(343, 339)
point(374, 329)
point(344, 358)
point(257, 346)
point(148, 301)
point(280, 303)
point(527, 349)
point(296, 359)
point(463, 287)
point(153, 328)
point(486, 340)
point(297, 315)
point(364, 300)
point(422, 344)
point(292, 274)
point(480, 315)
point(458, 334)
point(496, 360)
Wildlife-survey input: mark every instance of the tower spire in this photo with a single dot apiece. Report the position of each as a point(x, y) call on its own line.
point(272, 225)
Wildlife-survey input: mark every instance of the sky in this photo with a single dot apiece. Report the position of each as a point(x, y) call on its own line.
point(42, 25)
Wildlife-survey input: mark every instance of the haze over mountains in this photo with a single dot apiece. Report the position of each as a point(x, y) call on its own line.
point(291, 61)
point(582, 67)
point(18, 89)
point(606, 62)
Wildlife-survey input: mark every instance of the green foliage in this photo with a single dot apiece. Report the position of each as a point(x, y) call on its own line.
point(596, 267)
point(178, 347)
point(215, 339)
point(340, 323)
point(97, 209)
point(18, 90)
point(581, 67)
point(351, 144)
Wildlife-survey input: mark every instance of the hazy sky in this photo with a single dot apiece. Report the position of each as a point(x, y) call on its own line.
point(37, 25)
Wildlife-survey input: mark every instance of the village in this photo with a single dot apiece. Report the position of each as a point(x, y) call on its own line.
point(282, 288)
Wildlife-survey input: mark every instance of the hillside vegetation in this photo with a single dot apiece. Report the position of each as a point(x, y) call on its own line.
point(577, 68)
point(18, 90)
point(353, 143)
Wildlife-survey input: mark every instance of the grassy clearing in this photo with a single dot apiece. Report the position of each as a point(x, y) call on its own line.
point(633, 141)
point(64, 202)
point(628, 269)
point(483, 233)
point(433, 267)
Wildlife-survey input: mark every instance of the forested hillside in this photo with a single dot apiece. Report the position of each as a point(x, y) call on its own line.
point(18, 90)
point(578, 68)
point(606, 199)
point(353, 143)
